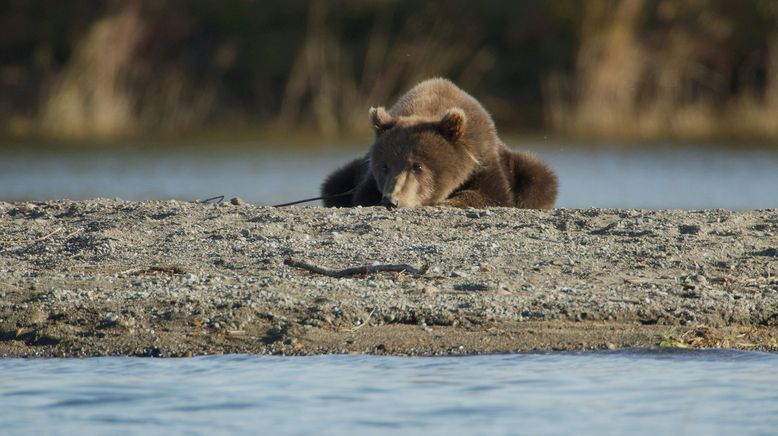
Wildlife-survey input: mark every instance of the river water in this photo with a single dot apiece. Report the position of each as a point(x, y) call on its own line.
point(622, 392)
point(659, 177)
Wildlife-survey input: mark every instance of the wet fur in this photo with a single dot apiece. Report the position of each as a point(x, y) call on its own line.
point(474, 166)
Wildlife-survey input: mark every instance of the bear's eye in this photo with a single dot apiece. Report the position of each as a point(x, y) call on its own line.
point(416, 168)
point(385, 168)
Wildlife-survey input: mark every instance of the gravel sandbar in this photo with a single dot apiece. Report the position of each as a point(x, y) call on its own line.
point(152, 278)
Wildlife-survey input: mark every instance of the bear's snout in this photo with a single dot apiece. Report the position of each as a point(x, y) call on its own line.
point(400, 190)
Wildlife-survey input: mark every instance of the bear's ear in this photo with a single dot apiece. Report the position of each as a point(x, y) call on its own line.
point(452, 125)
point(380, 119)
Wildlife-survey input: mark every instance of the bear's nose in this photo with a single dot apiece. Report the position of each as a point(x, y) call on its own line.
point(388, 202)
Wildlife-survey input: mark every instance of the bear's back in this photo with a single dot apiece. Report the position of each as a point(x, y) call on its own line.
point(431, 99)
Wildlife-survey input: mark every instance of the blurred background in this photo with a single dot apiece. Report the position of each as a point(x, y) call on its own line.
point(635, 103)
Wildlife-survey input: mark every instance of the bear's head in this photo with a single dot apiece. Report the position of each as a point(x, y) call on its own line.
point(419, 161)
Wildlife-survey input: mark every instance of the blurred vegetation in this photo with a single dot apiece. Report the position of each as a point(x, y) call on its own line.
point(626, 69)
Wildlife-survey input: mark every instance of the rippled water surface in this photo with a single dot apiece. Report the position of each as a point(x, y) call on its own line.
point(625, 392)
point(653, 178)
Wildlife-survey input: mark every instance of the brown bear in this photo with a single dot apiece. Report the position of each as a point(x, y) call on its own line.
point(437, 146)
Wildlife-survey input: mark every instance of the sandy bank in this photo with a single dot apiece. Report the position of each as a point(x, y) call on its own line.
point(108, 277)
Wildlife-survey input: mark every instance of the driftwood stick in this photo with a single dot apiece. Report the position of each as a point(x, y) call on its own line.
point(357, 270)
point(171, 270)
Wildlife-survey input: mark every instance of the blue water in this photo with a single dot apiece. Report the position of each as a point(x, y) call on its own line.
point(623, 392)
point(651, 178)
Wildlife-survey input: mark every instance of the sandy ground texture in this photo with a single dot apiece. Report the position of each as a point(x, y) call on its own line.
point(107, 277)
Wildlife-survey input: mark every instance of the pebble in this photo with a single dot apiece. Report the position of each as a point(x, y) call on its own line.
point(689, 229)
point(37, 316)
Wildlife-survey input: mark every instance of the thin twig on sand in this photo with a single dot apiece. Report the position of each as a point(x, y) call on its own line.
point(32, 241)
point(358, 270)
point(218, 199)
point(357, 327)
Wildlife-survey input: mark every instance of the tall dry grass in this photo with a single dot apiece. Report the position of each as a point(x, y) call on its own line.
point(338, 84)
point(642, 69)
point(752, 112)
point(629, 83)
point(107, 89)
point(90, 97)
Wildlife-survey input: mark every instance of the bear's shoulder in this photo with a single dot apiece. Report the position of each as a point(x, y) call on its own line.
point(433, 97)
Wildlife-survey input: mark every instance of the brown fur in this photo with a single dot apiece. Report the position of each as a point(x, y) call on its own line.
point(438, 146)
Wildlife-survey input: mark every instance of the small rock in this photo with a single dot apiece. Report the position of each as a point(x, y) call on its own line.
point(237, 201)
point(698, 279)
point(689, 229)
point(37, 316)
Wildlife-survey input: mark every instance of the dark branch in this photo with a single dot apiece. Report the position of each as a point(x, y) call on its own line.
point(357, 270)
